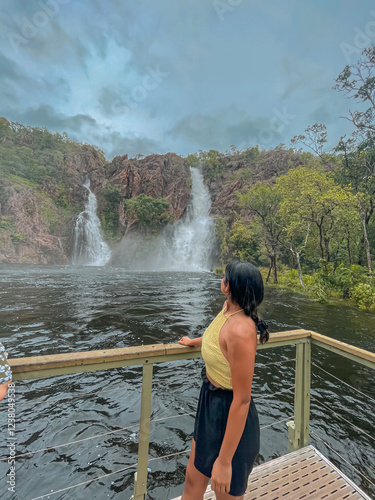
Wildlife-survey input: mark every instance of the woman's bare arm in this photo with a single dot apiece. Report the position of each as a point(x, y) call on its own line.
point(3, 389)
point(191, 342)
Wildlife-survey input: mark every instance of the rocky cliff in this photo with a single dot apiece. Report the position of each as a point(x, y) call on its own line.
point(241, 170)
point(37, 219)
point(165, 176)
point(42, 192)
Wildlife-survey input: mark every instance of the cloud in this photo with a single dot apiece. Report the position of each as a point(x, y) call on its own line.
point(82, 72)
point(45, 116)
point(11, 72)
point(116, 144)
point(221, 130)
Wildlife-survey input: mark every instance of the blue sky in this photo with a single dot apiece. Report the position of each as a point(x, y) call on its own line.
point(178, 75)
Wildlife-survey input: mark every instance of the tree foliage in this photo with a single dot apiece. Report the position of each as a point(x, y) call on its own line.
point(148, 212)
point(358, 82)
point(110, 215)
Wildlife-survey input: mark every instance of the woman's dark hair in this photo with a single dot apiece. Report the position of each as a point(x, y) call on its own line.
point(247, 290)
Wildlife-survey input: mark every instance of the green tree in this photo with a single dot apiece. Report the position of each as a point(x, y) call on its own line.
point(311, 197)
point(149, 213)
point(263, 202)
point(358, 169)
point(193, 160)
point(222, 236)
point(242, 243)
point(110, 216)
point(358, 82)
point(212, 163)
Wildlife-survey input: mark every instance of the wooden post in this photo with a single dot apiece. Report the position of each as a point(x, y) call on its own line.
point(305, 432)
point(298, 429)
point(291, 431)
point(140, 485)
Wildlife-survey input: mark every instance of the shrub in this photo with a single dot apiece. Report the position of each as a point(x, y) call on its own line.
point(364, 295)
point(316, 288)
point(346, 278)
point(289, 278)
point(6, 223)
point(18, 238)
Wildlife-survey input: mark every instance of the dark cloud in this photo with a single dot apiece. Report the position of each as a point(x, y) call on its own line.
point(11, 72)
point(45, 116)
point(216, 132)
point(107, 100)
point(120, 145)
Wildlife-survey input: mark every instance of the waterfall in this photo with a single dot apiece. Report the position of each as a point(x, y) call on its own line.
point(89, 249)
point(189, 243)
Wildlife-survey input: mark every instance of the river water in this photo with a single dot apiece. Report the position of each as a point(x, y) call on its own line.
point(50, 310)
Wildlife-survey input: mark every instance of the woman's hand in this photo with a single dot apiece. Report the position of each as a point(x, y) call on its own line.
point(186, 341)
point(221, 476)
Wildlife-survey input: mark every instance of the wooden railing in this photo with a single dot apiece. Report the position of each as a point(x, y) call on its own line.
point(147, 356)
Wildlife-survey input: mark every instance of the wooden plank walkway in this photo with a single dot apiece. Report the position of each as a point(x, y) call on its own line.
point(302, 474)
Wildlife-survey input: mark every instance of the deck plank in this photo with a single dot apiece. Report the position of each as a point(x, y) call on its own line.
point(304, 474)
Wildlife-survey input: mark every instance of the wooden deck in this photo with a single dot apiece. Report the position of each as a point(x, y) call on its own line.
point(302, 474)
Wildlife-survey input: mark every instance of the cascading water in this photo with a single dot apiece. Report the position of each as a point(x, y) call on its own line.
point(89, 247)
point(189, 243)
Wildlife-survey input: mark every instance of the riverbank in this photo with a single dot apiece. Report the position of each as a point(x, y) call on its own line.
point(350, 285)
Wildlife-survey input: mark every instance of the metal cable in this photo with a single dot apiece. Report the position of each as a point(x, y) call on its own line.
point(71, 442)
point(134, 465)
point(105, 475)
point(342, 458)
point(274, 393)
point(278, 362)
point(69, 397)
point(343, 418)
point(85, 394)
point(93, 437)
point(173, 416)
point(275, 423)
point(181, 453)
point(339, 379)
point(84, 482)
point(103, 434)
point(170, 455)
point(120, 388)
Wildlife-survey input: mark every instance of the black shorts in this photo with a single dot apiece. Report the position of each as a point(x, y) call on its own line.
point(209, 429)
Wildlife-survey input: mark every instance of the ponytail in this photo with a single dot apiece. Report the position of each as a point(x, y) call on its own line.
point(247, 290)
point(261, 326)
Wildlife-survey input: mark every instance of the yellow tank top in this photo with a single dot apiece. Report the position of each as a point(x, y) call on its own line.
point(217, 366)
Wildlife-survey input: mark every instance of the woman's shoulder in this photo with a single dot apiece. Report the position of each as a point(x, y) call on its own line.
point(242, 327)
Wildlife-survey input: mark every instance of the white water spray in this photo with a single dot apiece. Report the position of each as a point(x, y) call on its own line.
point(89, 249)
point(189, 243)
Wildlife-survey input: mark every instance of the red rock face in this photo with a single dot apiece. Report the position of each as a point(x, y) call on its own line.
point(224, 197)
point(29, 240)
point(167, 176)
point(30, 210)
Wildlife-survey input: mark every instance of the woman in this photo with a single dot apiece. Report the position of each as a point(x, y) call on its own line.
point(226, 430)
